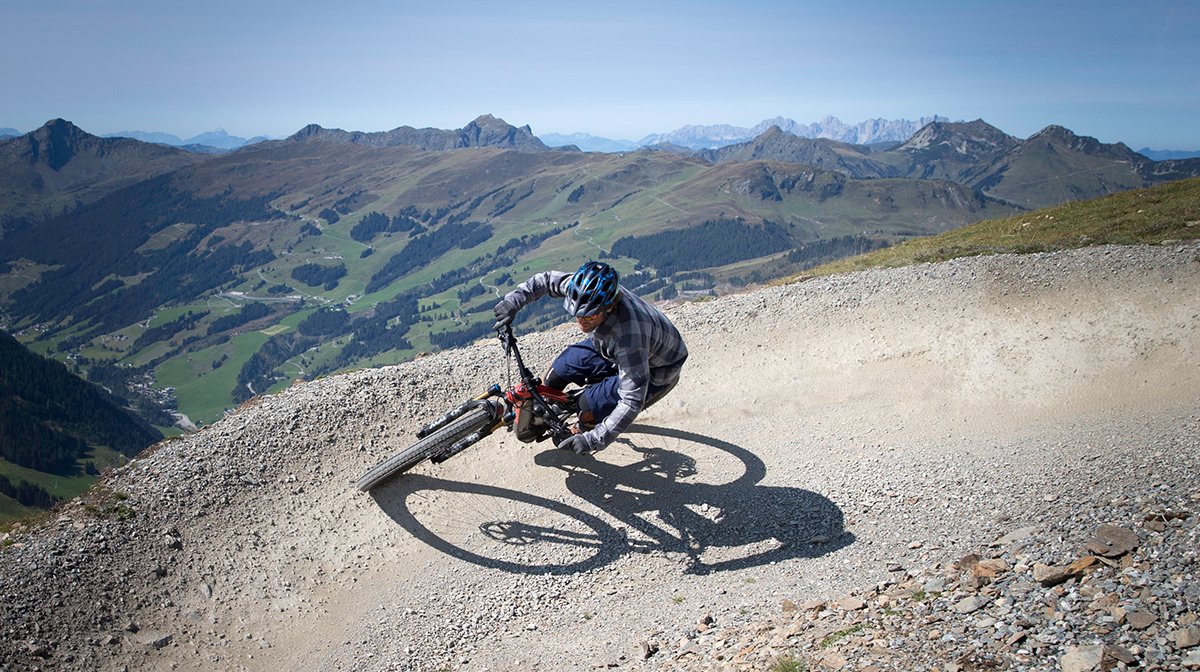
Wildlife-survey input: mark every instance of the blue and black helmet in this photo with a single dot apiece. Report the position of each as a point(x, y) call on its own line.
point(592, 289)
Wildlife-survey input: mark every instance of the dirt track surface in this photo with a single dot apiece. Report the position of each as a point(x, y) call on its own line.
point(824, 433)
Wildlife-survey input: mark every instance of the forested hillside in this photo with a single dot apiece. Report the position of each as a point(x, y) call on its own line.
point(52, 421)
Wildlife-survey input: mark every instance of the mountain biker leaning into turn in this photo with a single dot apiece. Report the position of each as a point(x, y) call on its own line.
point(630, 359)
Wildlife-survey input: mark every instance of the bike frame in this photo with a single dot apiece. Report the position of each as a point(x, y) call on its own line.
point(507, 405)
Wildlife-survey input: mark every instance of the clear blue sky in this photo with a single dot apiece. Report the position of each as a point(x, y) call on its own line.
point(1115, 70)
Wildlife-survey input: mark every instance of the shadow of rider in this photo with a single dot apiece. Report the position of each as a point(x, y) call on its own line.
point(712, 527)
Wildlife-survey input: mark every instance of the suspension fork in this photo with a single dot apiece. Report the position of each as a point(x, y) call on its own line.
point(481, 400)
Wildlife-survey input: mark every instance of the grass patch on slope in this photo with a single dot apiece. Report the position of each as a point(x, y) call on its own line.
point(1152, 216)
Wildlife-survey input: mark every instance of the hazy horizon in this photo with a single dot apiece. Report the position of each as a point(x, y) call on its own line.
point(1116, 71)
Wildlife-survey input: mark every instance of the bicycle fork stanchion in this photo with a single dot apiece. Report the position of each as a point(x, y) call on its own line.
point(461, 445)
point(493, 391)
point(494, 409)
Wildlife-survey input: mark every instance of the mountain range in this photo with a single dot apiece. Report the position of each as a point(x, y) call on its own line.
point(212, 140)
point(1165, 154)
point(869, 132)
point(218, 277)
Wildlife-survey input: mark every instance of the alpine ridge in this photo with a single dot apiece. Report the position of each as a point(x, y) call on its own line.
point(484, 131)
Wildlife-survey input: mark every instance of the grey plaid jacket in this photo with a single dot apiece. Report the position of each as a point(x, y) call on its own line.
point(637, 337)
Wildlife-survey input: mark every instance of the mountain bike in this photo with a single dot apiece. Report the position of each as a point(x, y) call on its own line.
point(531, 410)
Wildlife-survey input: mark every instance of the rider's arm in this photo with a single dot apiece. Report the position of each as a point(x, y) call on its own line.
point(541, 284)
point(633, 386)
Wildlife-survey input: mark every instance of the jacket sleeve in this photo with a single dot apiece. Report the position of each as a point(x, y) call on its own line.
point(548, 283)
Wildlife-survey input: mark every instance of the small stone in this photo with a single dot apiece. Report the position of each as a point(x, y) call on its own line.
point(1016, 535)
point(851, 603)
point(1082, 658)
point(1049, 576)
point(971, 604)
point(1076, 568)
point(1187, 637)
point(967, 561)
point(788, 606)
point(988, 569)
point(1191, 660)
point(649, 649)
point(1140, 620)
point(1112, 541)
point(156, 640)
point(1120, 654)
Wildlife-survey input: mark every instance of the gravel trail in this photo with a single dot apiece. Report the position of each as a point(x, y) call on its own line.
point(879, 470)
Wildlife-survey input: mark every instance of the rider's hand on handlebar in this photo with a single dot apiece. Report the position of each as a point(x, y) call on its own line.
point(505, 312)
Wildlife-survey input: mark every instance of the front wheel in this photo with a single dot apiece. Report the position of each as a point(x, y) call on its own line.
point(474, 420)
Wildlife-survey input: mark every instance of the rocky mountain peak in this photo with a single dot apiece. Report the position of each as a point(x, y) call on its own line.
point(771, 133)
point(56, 143)
point(309, 131)
point(964, 137)
point(1065, 137)
point(489, 131)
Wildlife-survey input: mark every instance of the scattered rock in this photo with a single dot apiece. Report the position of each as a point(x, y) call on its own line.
point(972, 604)
point(1082, 658)
point(1052, 576)
point(851, 603)
point(1187, 637)
point(155, 640)
point(1019, 534)
point(1140, 620)
point(1112, 541)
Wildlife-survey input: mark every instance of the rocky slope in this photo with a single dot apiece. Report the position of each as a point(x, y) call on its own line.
point(916, 468)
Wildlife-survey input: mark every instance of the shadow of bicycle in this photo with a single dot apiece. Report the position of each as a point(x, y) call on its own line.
point(684, 495)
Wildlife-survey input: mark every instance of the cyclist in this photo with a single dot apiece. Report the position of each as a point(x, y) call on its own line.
point(630, 359)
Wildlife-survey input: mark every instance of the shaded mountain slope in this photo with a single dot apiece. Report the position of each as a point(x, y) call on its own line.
point(55, 423)
point(60, 166)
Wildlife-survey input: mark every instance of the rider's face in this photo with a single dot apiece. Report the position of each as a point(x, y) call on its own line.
point(588, 324)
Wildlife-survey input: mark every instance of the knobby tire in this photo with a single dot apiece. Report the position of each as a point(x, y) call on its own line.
point(471, 421)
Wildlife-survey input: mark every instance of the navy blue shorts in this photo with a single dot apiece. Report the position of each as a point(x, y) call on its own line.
point(583, 365)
